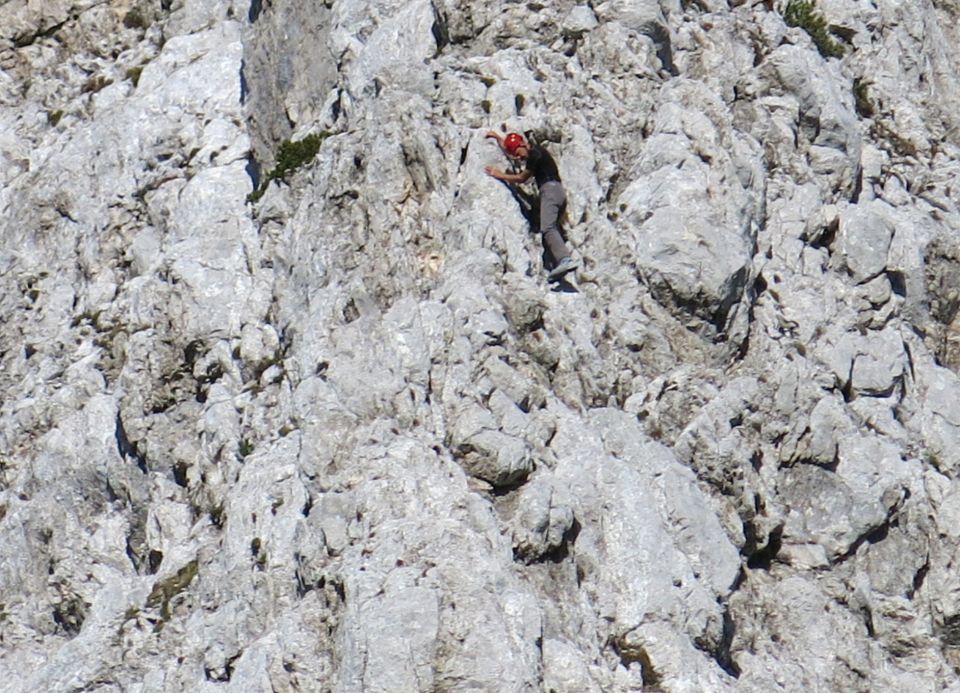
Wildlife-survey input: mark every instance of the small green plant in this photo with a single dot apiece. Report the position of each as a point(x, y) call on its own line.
point(95, 84)
point(131, 614)
point(861, 97)
point(932, 458)
point(259, 553)
point(135, 19)
point(54, 117)
point(133, 74)
point(217, 514)
point(165, 590)
point(896, 143)
point(89, 317)
point(804, 14)
point(246, 447)
point(291, 156)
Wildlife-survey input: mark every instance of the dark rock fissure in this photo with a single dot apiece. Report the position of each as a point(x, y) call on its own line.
point(762, 558)
point(127, 449)
point(919, 577)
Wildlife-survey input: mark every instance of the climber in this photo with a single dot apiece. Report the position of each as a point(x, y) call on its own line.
point(540, 165)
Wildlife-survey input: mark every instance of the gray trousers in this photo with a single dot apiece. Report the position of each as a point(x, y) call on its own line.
point(552, 200)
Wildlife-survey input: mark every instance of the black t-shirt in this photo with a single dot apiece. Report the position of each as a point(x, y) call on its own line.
point(542, 165)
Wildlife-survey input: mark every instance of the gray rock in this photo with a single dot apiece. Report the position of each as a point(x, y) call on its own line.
point(870, 365)
point(863, 240)
point(579, 21)
point(676, 226)
point(348, 438)
point(563, 668)
point(542, 520)
point(869, 476)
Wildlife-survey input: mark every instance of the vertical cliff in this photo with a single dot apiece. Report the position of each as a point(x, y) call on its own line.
point(287, 404)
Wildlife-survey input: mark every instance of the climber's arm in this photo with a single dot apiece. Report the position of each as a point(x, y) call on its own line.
point(521, 177)
point(498, 137)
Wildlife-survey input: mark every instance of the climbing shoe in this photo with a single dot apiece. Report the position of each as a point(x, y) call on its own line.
point(567, 264)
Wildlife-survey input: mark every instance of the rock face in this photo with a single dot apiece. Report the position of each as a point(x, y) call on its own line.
point(346, 438)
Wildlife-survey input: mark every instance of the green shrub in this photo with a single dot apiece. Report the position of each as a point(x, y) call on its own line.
point(803, 14)
point(291, 156)
point(861, 97)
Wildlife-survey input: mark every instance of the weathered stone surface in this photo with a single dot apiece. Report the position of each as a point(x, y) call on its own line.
point(691, 253)
point(863, 240)
point(543, 521)
point(347, 438)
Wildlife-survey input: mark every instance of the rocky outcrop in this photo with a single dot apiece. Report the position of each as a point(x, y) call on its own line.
point(341, 435)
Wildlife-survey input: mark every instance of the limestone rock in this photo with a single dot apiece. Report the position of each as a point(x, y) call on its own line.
point(347, 437)
point(543, 521)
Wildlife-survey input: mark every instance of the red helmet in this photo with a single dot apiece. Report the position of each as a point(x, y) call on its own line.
point(513, 142)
